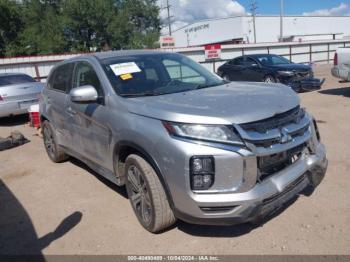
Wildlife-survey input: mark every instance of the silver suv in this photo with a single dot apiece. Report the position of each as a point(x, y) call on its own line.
point(185, 143)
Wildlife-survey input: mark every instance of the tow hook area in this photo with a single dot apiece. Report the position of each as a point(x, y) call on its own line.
point(316, 175)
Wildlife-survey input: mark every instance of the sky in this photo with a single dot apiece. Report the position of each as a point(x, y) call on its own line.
point(188, 11)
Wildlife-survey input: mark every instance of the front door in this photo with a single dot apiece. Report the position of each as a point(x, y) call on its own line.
point(92, 136)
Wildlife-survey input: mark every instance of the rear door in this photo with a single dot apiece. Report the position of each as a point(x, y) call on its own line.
point(55, 98)
point(88, 121)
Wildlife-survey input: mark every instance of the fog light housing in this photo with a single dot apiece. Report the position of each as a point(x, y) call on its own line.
point(202, 172)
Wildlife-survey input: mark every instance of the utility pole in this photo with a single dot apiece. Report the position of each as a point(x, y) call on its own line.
point(253, 8)
point(281, 20)
point(169, 17)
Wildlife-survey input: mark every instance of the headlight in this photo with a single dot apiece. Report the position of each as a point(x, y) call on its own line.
point(286, 73)
point(214, 133)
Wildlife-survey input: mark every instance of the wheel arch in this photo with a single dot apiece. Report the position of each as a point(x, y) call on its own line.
point(125, 148)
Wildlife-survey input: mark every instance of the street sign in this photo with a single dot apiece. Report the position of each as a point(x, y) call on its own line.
point(213, 52)
point(167, 41)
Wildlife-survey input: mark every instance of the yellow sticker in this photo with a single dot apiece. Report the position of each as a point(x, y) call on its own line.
point(126, 77)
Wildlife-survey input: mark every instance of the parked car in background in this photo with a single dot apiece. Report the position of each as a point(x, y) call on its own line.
point(186, 143)
point(17, 93)
point(341, 67)
point(270, 69)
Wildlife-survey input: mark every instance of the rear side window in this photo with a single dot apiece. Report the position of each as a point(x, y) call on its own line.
point(15, 79)
point(61, 78)
point(237, 61)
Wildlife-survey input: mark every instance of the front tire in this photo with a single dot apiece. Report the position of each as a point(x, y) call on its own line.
point(269, 79)
point(53, 150)
point(147, 195)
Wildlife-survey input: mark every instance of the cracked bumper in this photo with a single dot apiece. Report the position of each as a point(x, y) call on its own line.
point(265, 198)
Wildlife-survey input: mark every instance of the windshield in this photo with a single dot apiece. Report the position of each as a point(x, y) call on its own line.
point(15, 79)
point(269, 60)
point(157, 74)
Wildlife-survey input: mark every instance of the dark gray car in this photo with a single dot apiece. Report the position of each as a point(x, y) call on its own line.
point(185, 143)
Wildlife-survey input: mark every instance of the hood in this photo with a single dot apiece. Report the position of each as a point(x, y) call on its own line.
point(234, 103)
point(291, 67)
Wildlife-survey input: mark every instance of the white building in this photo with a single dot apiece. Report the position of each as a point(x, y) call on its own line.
point(240, 30)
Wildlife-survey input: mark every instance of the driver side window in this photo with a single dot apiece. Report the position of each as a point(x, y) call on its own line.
point(86, 75)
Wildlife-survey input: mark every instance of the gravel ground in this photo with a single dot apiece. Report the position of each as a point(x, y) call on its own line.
point(68, 209)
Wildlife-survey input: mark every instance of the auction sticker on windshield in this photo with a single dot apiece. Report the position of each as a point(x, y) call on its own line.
point(125, 68)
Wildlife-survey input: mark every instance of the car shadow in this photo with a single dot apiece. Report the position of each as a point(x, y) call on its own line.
point(237, 230)
point(14, 120)
point(17, 232)
point(120, 190)
point(344, 91)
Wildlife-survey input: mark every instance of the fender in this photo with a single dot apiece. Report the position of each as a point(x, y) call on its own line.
point(150, 160)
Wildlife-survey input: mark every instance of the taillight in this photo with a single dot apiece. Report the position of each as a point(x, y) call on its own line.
point(335, 59)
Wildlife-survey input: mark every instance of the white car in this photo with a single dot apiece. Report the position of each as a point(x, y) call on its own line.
point(341, 67)
point(17, 93)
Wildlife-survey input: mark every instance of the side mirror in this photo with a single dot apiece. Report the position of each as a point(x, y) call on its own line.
point(83, 94)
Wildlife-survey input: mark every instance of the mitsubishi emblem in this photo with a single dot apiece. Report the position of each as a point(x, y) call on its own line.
point(285, 136)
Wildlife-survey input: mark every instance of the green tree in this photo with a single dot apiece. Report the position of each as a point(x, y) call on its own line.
point(29, 27)
point(136, 25)
point(44, 28)
point(10, 24)
point(87, 22)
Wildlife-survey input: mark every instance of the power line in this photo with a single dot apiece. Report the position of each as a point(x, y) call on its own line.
point(253, 9)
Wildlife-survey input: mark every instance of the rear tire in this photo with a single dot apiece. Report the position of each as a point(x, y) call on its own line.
point(53, 150)
point(147, 195)
point(269, 79)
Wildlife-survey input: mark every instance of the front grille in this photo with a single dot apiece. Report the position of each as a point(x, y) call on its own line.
point(280, 129)
point(303, 74)
point(291, 116)
point(271, 164)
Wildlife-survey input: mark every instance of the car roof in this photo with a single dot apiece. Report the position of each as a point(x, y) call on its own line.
point(121, 53)
point(12, 74)
point(260, 55)
point(110, 54)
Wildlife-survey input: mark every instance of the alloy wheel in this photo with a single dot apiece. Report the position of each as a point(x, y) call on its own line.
point(49, 141)
point(269, 79)
point(139, 195)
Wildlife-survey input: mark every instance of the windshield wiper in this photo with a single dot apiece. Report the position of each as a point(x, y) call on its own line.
point(202, 86)
point(142, 94)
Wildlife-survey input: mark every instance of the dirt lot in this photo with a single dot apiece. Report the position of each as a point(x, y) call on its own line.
point(67, 209)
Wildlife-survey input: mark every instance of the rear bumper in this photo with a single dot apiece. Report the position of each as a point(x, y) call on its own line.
point(342, 73)
point(14, 108)
point(265, 198)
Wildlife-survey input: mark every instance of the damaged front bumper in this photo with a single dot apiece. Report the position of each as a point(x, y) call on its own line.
point(264, 199)
point(306, 85)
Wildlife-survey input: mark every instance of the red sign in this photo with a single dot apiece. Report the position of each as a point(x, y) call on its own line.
point(167, 41)
point(213, 52)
